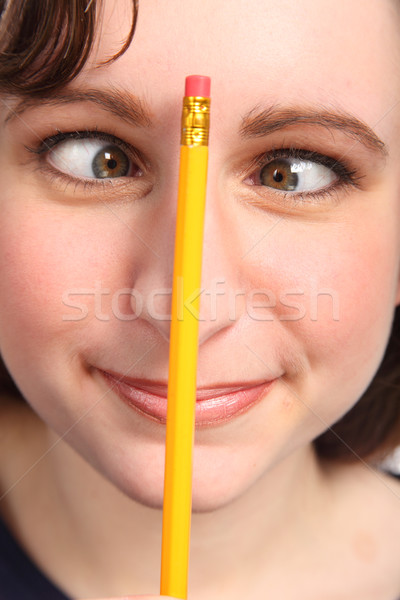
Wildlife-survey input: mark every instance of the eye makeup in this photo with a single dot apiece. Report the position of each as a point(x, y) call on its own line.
point(304, 147)
point(344, 176)
point(52, 141)
point(90, 158)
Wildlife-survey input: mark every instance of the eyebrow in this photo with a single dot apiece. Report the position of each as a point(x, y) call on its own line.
point(258, 123)
point(120, 103)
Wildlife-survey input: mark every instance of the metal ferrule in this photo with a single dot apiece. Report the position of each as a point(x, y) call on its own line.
point(195, 121)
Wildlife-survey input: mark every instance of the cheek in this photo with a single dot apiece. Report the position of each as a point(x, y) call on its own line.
point(346, 341)
point(41, 261)
point(50, 264)
point(335, 287)
point(360, 271)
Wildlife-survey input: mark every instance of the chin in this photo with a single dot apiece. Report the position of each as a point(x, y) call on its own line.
point(205, 498)
point(209, 503)
point(205, 502)
point(145, 486)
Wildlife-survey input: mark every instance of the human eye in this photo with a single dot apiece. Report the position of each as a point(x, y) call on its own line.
point(301, 175)
point(89, 157)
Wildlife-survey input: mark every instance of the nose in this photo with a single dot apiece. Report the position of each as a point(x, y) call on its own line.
point(220, 273)
point(219, 291)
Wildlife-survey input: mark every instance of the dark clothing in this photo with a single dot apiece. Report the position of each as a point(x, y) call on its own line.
point(19, 578)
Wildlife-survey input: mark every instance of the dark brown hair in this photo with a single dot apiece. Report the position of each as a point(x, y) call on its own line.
point(371, 429)
point(43, 45)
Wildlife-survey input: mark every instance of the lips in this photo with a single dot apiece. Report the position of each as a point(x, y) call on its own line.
point(213, 405)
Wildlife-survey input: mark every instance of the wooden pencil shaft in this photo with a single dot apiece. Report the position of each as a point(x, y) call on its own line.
point(182, 371)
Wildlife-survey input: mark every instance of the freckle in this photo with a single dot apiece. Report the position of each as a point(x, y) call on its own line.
point(364, 547)
point(287, 402)
point(349, 84)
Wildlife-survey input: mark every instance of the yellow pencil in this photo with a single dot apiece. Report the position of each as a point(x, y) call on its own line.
point(184, 338)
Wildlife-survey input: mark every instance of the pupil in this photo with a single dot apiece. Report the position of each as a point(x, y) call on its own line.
point(110, 161)
point(278, 174)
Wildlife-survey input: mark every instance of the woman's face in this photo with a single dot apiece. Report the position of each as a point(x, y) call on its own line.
point(301, 244)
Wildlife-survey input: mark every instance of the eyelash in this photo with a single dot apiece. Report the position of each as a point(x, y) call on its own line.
point(347, 177)
point(51, 141)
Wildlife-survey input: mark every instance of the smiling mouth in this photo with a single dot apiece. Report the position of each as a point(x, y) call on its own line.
point(213, 405)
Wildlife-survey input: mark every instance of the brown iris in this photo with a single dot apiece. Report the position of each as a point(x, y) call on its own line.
point(110, 161)
point(278, 174)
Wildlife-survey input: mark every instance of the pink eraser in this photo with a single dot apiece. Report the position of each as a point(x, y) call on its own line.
point(197, 85)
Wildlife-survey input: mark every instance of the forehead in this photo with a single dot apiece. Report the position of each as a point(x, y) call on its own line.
point(334, 52)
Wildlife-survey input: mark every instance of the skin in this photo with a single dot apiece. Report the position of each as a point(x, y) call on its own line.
point(253, 473)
